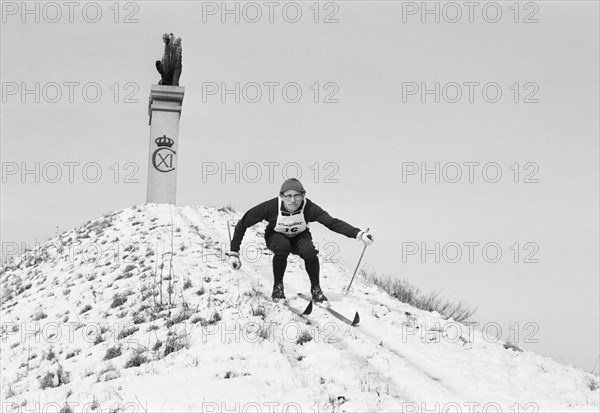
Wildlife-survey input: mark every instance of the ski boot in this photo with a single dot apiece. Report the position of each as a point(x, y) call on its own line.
point(278, 294)
point(317, 294)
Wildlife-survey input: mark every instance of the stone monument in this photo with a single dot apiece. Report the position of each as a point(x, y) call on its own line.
point(164, 109)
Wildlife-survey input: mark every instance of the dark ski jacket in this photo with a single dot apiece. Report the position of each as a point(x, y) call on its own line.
point(268, 211)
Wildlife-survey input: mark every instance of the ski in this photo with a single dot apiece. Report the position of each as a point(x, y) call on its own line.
point(294, 310)
point(334, 313)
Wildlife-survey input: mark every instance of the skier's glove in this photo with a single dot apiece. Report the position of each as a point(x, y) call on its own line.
point(365, 237)
point(233, 258)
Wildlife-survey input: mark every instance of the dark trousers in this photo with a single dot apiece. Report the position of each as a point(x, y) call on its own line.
point(300, 245)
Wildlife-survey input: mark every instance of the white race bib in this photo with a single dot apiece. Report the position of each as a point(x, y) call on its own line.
point(291, 225)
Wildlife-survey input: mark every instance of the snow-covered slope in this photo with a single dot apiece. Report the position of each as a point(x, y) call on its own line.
point(137, 312)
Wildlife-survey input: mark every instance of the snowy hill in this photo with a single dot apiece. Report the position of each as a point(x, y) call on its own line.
point(138, 312)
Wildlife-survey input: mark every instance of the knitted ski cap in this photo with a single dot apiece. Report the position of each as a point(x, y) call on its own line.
point(292, 184)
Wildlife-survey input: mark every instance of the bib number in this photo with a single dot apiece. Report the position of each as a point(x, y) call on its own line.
point(290, 229)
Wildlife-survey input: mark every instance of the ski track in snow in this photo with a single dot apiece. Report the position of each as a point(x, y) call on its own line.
point(396, 359)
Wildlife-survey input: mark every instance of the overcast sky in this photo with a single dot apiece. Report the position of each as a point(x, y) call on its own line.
point(498, 101)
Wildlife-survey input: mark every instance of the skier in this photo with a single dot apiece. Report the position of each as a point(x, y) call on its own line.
point(287, 232)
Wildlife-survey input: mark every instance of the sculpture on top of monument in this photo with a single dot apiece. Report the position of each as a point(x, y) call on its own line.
point(170, 66)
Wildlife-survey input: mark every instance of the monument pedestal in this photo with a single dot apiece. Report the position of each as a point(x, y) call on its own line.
point(164, 109)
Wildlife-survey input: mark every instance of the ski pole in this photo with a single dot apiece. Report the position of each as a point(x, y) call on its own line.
point(357, 265)
point(229, 229)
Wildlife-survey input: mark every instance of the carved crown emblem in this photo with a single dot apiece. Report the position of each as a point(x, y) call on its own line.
point(164, 141)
